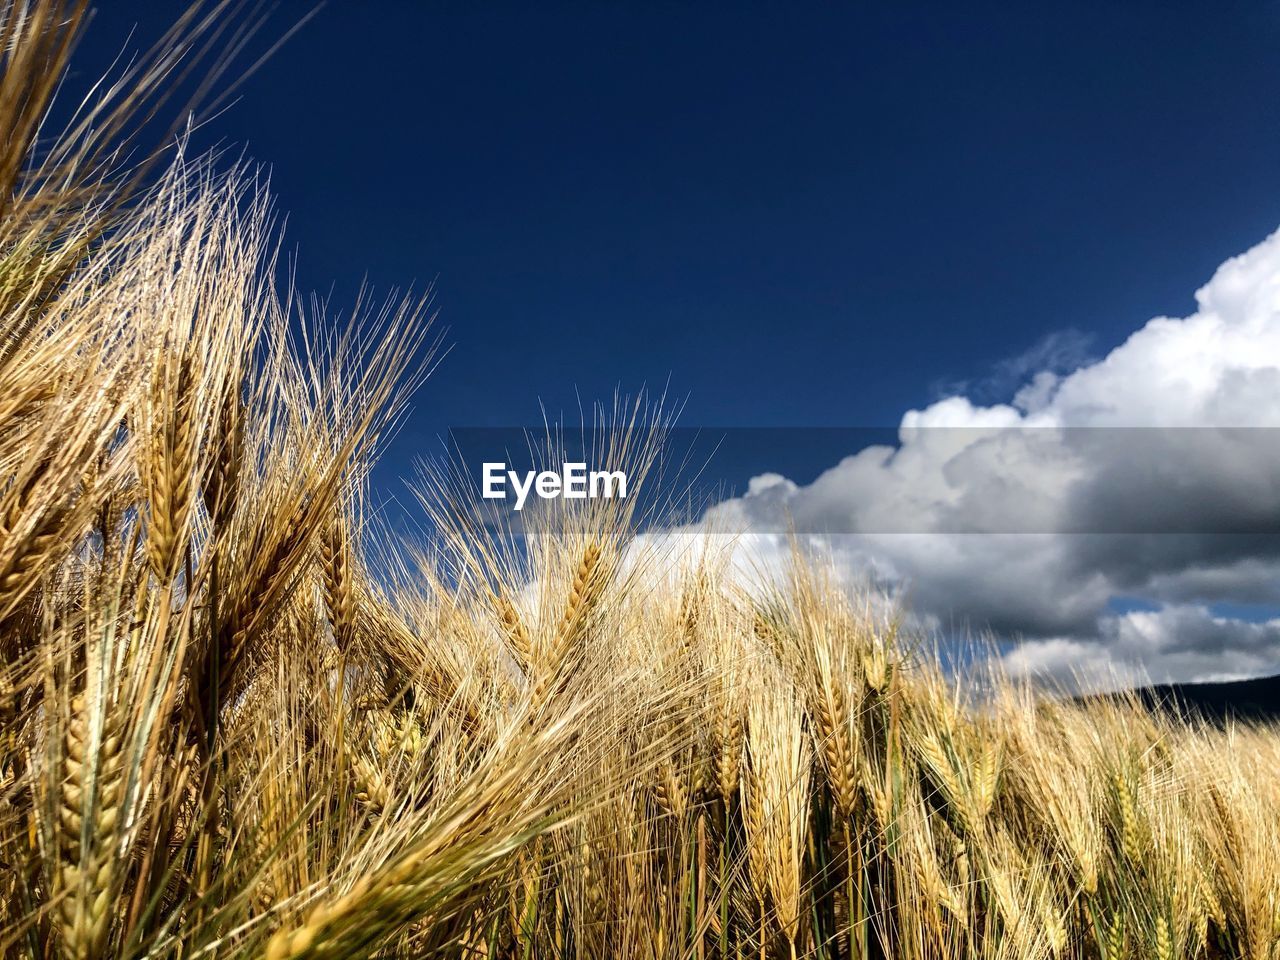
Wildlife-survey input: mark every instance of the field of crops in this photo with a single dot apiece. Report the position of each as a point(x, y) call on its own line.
point(221, 734)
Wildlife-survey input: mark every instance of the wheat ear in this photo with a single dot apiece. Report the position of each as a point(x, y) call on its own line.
point(513, 630)
point(88, 815)
point(170, 458)
point(838, 736)
point(588, 582)
point(222, 480)
point(1130, 844)
point(339, 587)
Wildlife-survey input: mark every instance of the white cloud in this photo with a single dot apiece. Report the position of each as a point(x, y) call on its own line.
point(1090, 484)
point(1172, 644)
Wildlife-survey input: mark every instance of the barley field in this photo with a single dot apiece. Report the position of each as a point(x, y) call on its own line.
point(239, 719)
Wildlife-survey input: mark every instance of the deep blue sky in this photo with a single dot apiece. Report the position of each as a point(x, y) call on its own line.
point(798, 214)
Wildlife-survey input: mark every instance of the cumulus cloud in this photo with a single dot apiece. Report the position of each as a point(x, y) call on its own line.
point(1150, 475)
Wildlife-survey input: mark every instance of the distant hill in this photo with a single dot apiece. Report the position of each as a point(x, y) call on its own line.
point(1257, 699)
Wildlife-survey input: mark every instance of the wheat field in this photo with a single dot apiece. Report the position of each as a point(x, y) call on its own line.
point(238, 718)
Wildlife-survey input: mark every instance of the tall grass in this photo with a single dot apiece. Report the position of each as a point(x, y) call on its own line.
point(221, 734)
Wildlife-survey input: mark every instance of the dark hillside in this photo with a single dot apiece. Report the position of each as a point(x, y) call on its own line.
point(1257, 699)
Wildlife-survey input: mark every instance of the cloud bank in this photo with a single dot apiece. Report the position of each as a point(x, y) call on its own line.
point(1114, 523)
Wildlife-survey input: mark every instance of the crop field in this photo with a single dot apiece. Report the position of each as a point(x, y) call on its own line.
point(240, 719)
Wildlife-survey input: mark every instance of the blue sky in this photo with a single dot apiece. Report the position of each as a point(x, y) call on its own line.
point(811, 215)
point(801, 214)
